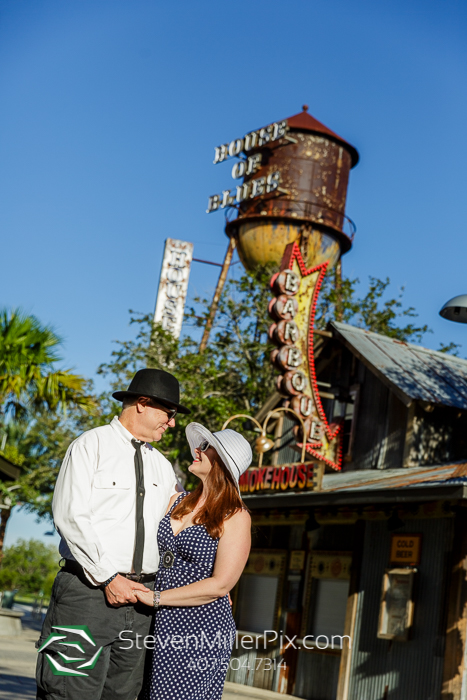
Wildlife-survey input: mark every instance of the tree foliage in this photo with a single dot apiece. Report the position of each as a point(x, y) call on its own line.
point(39, 446)
point(33, 387)
point(29, 566)
point(232, 376)
point(29, 376)
point(339, 300)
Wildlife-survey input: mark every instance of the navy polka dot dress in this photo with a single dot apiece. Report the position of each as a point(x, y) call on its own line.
point(192, 644)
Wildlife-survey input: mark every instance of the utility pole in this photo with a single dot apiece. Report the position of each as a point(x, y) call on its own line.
point(217, 294)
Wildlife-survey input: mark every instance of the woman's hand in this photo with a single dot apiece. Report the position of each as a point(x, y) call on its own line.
point(232, 555)
point(144, 597)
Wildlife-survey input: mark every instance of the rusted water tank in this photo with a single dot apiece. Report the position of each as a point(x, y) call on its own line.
point(308, 205)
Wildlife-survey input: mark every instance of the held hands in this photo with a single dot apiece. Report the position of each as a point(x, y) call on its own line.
point(144, 596)
point(121, 591)
point(147, 597)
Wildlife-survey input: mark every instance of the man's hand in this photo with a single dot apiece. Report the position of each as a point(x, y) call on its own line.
point(120, 591)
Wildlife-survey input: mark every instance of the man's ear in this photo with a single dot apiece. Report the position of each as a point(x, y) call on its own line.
point(141, 405)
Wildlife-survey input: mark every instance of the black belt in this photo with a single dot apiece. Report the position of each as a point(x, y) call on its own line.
point(140, 578)
point(72, 567)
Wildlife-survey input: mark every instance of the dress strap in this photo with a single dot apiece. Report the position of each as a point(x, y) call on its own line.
point(177, 501)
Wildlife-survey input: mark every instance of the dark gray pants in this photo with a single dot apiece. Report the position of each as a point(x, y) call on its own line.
point(118, 670)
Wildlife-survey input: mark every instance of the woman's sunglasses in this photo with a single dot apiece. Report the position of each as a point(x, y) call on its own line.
point(204, 446)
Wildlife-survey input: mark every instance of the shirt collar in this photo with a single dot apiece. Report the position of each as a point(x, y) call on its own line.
point(121, 430)
point(124, 433)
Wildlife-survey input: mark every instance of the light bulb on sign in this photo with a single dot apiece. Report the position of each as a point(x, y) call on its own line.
point(263, 444)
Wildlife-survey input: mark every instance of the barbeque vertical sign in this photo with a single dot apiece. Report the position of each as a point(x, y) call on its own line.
point(293, 309)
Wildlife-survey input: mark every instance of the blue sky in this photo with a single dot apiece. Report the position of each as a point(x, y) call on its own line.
point(110, 112)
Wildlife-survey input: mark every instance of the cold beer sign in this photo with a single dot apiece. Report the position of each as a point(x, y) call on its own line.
point(406, 549)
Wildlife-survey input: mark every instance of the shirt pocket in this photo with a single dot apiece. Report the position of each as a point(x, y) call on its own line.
point(115, 483)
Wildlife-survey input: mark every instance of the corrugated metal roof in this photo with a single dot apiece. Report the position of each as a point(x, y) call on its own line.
point(371, 486)
point(411, 371)
point(369, 479)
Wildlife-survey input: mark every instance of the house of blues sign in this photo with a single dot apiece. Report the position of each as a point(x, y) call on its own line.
point(293, 309)
point(247, 149)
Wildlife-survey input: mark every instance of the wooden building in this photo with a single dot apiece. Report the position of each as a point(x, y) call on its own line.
point(8, 470)
point(358, 591)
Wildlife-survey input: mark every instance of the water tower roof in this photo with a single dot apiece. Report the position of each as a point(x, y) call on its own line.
point(305, 122)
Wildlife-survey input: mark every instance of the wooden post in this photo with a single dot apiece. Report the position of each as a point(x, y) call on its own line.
point(409, 436)
point(217, 294)
point(338, 287)
point(351, 612)
point(455, 671)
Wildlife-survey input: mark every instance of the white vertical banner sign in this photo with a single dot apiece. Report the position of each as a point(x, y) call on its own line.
point(173, 285)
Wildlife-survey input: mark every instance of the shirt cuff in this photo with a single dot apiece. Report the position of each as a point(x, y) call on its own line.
point(97, 573)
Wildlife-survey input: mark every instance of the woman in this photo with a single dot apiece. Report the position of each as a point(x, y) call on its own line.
point(204, 541)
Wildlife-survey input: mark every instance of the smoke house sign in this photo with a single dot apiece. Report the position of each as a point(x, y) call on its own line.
point(287, 477)
point(293, 310)
point(250, 161)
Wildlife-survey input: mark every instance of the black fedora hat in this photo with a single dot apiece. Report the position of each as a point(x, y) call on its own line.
point(156, 384)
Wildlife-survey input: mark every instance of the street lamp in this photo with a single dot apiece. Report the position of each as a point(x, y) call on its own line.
point(455, 309)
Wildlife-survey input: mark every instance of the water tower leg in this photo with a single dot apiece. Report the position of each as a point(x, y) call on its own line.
point(217, 294)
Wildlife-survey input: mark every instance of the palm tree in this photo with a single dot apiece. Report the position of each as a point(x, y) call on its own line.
point(30, 379)
point(29, 376)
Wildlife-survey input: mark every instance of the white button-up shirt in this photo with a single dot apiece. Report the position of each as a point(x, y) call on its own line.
point(94, 503)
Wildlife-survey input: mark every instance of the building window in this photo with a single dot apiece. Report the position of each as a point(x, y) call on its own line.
point(257, 600)
point(346, 411)
point(257, 603)
point(326, 594)
point(328, 614)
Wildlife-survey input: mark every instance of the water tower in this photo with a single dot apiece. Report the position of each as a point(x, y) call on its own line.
point(303, 170)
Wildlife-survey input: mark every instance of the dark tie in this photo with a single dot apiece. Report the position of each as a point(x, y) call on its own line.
point(139, 539)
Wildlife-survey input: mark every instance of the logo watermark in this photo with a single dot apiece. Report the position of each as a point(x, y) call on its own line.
point(265, 663)
point(74, 651)
point(246, 642)
point(177, 642)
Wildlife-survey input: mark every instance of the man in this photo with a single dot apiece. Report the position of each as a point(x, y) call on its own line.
point(111, 493)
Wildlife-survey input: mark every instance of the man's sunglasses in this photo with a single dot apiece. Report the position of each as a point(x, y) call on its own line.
point(204, 446)
point(171, 412)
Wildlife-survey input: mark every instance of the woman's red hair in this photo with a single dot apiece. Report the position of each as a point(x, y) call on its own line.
point(223, 500)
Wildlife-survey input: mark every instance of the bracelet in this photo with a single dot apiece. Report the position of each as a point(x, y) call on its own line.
point(157, 599)
point(106, 583)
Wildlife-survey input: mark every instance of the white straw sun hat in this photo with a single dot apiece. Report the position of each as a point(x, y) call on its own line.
point(231, 447)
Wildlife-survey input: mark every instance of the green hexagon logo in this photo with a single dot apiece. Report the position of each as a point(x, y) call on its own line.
point(74, 651)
